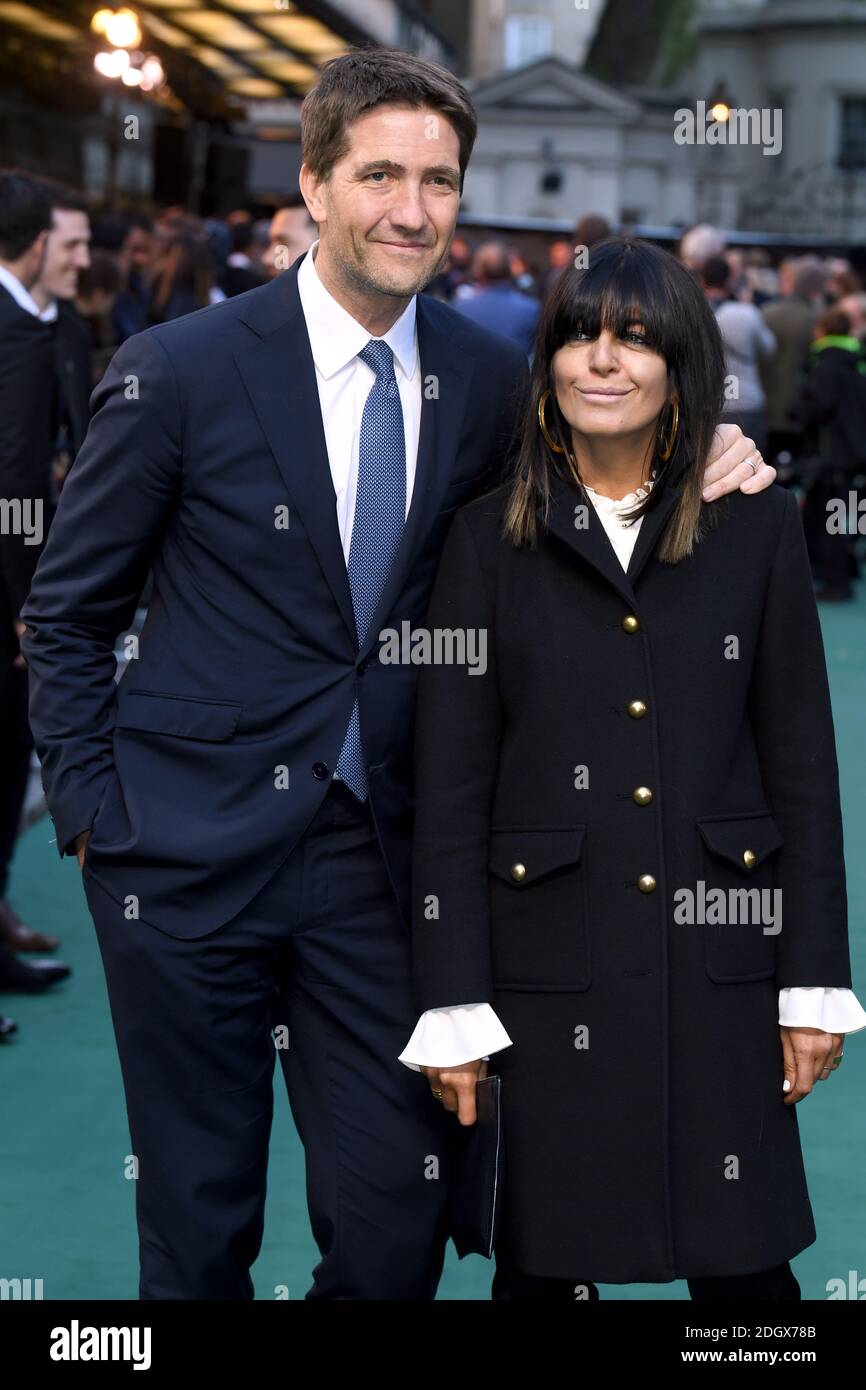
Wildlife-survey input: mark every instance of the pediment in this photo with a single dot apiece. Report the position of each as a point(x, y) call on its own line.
point(550, 84)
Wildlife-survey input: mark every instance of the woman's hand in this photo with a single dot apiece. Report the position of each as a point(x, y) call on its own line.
point(455, 1087)
point(810, 1055)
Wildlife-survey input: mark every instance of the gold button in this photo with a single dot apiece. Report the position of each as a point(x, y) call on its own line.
point(637, 709)
point(750, 858)
point(518, 872)
point(646, 883)
point(642, 795)
point(630, 623)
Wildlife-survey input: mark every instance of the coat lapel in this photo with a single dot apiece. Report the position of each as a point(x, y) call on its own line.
point(280, 377)
point(589, 540)
point(651, 529)
point(574, 521)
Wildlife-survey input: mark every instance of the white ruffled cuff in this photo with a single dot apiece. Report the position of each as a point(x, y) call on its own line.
point(448, 1037)
point(833, 1010)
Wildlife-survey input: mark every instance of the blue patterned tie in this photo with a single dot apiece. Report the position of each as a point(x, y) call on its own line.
point(380, 513)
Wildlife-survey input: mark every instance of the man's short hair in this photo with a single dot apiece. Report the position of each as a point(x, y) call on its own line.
point(715, 272)
point(25, 211)
point(365, 78)
point(62, 198)
point(699, 243)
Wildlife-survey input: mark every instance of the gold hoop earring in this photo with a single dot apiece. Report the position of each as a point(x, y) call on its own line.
point(664, 454)
point(557, 448)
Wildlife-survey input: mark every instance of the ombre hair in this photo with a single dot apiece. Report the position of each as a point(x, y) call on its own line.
point(627, 281)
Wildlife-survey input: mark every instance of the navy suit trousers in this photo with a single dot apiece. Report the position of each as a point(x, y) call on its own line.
point(318, 961)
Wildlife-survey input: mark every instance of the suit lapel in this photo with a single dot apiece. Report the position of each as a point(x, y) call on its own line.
point(280, 377)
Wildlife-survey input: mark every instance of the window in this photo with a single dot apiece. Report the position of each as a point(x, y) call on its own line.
point(852, 133)
point(527, 39)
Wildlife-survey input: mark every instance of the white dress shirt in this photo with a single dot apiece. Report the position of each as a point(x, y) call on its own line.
point(24, 299)
point(345, 382)
point(447, 1037)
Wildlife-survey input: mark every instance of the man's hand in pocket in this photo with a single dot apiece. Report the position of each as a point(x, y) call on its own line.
point(80, 845)
point(20, 629)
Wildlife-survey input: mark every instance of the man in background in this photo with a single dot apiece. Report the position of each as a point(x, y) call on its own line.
point(67, 253)
point(27, 410)
point(791, 319)
point(748, 342)
point(496, 303)
point(291, 233)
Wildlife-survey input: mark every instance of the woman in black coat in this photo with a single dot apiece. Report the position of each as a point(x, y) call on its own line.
point(639, 746)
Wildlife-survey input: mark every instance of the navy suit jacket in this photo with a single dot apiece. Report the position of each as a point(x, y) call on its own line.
point(199, 771)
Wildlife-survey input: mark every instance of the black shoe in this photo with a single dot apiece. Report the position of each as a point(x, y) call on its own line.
point(18, 936)
point(8, 1026)
point(29, 977)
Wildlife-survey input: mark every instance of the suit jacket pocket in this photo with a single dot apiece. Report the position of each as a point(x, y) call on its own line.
point(539, 920)
point(182, 716)
point(738, 855)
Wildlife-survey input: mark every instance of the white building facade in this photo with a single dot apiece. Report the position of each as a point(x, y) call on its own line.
point(555, 142)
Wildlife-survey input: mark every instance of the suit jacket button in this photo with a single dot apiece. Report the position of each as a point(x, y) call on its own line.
point(642, 795)
point(636, 708)
point(321, 771)
point(518, 872)
point(750, 858)
point(646, 883)
point(630, 623)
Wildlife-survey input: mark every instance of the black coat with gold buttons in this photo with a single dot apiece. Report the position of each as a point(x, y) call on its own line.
point(640, 746)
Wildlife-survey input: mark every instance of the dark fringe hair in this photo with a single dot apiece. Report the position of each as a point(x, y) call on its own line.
point(627, 281)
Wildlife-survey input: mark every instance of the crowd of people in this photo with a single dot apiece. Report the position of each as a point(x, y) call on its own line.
point(795, 346)
point(76, 283)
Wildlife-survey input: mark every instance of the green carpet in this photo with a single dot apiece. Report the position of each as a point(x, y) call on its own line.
point(67, 1210)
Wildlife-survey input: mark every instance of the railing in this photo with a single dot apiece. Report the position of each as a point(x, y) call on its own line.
point(815, 200)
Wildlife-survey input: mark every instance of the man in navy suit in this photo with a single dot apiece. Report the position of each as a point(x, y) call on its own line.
point(287, 464)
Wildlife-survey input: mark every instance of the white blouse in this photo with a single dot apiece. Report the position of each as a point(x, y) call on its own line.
point(446, 1037)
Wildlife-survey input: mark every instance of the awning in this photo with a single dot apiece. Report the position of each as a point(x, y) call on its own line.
point(252, 49)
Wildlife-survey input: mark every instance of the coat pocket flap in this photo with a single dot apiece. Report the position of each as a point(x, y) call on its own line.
point(522, 856)
point(185, 717)
point(744, 841)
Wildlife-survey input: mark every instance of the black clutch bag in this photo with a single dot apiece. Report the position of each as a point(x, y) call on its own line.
point(476, 1192)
